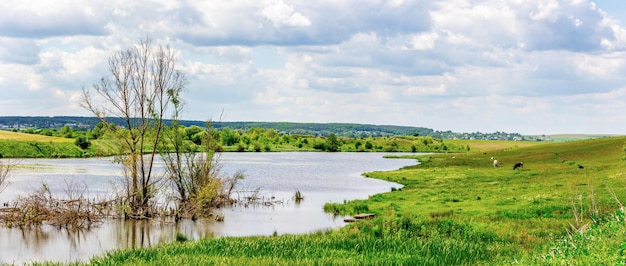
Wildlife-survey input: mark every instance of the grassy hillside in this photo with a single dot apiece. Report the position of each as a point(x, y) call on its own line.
point(478, 146)
point(571, 137)
point(529, 208)
point(14, 144)
point(457, 209)
point(21, 145)
point(17, 136)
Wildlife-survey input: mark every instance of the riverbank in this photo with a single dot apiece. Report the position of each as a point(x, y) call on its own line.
point(26, 145)
point(455, 209)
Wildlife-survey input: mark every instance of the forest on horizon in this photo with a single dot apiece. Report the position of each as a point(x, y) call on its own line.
point(295, 128)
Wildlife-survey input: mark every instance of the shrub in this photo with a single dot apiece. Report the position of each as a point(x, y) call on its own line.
point(180, 237)
point(82, 142)
point(319, 146)
point(240, 148)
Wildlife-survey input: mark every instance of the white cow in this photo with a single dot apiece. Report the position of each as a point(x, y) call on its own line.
point(495, 163)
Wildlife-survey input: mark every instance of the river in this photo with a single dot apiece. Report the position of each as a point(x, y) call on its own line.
point(320, 177)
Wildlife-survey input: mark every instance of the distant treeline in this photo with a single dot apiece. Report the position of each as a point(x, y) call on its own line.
point(311, 129)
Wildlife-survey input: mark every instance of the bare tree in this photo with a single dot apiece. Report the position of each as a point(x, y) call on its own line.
point(142, 86)
point(195, 173)
point(5, 168)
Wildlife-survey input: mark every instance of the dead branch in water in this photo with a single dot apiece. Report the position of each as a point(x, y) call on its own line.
point(39, 208)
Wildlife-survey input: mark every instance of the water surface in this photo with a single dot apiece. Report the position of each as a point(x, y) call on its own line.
point(321, 178)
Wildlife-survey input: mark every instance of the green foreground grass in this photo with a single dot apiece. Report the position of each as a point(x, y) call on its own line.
point(454, 209)
point(365, 244)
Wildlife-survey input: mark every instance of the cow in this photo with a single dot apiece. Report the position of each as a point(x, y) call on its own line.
point(495, 163)
point(518, 165)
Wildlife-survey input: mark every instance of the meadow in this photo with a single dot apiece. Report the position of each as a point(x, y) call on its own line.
point(562, 207)
point(23, 145)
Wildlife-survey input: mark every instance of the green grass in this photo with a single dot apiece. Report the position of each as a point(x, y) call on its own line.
point(603, 243)
point(455, 209)
point(531, 206)
point(572, 137)
point(397, 241)
point(38, 149)
point(22, 145)
point(17, 136)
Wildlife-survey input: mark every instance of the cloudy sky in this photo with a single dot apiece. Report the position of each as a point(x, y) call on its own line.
point(527, 66)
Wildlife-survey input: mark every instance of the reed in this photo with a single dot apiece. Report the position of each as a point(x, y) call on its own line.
point(298, 197)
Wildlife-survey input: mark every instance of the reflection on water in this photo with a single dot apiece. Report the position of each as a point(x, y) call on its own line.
point(321, 177)
point(49, 243)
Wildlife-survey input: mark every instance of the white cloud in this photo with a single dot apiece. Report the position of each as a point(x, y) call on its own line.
point(603, 66)
point(40, 19)
point(282, 14)
point(19, 51)
point(544, 10)
point(33, 82)
point(472, 65)
point(424, 41)
point(420, 91)
point(394, 3)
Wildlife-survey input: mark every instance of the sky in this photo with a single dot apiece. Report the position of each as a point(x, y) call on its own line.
point(524, 66)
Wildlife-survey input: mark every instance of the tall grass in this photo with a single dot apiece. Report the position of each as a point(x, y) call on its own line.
point(603, 243)
point(298, 197)
point(389, 241)
point(351, 207)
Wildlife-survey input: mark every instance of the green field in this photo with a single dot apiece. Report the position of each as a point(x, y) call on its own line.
point(22, 145)
point(455, 209)
point(36, 145)
point(17, 136)
point(571, 137)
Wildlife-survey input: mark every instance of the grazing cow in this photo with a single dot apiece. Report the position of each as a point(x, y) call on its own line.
point(518, 165)
point(495, 163)
point(580, 167)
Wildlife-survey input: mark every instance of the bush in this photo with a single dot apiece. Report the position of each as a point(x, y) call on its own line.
point(320, 146)
point(241, 148)
point(82, 142)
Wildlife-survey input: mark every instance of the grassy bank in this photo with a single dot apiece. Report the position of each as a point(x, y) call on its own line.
point(455, 209)
point(530, 208)
point(22, 145)
point(14, 144)
point(386, 242)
